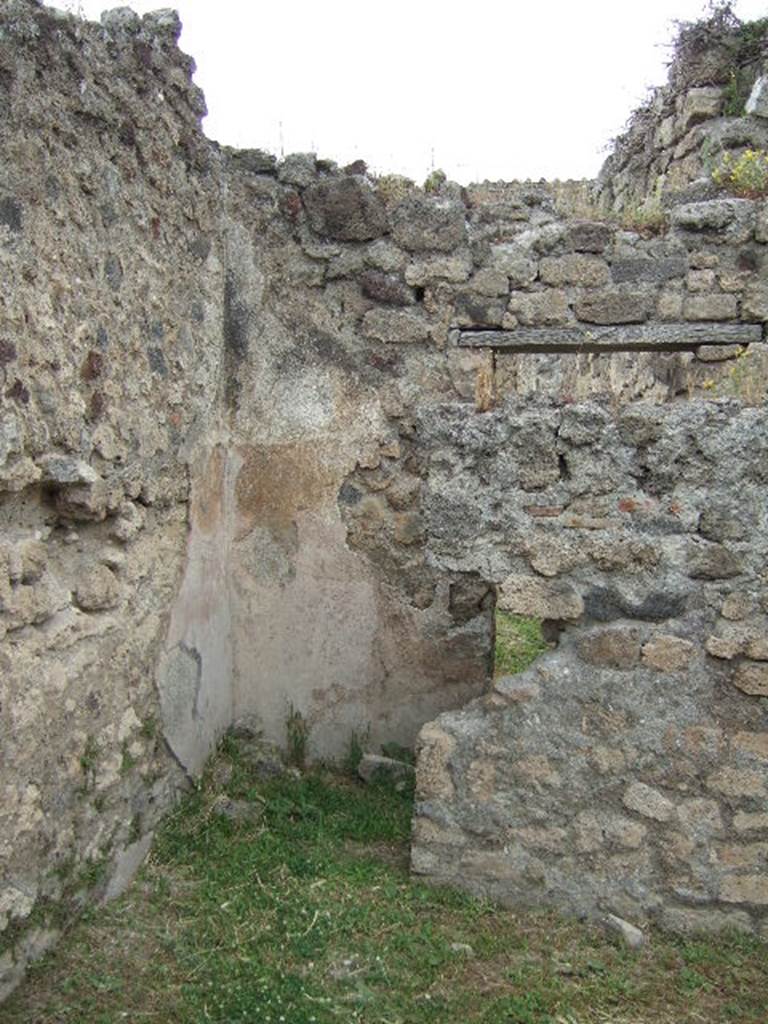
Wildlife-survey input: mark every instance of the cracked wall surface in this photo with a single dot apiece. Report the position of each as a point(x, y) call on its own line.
point(275, 436)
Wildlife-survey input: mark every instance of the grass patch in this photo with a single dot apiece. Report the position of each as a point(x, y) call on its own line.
point(519, 642)
point(308, 916)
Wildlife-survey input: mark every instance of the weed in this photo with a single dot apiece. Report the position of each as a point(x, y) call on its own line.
point(736, 92)
point(398, 752)
point(435, 181)
point(149, 728)
point(358, 741)
point(648, 220)
point(392, 188)
point(91, 873)
point(127, 760)
point(89, 759)
point(134, 832)
point(297, 737)
point(519, 642)
point(745, 175)
point(747, 378)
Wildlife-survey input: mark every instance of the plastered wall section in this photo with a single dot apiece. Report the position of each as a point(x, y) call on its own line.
point(316, 629)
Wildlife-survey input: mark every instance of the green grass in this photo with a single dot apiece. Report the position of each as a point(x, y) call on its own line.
point(518, 643)
point(308, 916)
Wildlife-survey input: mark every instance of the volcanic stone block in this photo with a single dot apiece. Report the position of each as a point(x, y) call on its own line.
point(668, 653)
point(757, 104)
point(700, 104)
point(645, 270)
point(712, 562)
point(586, 270)
point(541, 599)
point(516, 262)
point(428, 223)
point(752, 678)
point(589, 236)
point(710, 307)
point(395, 327)
point(648, 801)
point(345, 208)
point(615, 306)
point(611, 648)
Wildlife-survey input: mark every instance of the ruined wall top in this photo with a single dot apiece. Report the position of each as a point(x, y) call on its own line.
point(715, 103)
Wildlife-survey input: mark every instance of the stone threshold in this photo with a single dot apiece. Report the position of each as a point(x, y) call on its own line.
point(679, 337)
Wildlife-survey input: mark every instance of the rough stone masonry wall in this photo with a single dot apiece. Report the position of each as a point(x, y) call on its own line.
point(109, 372)
point(712, 106)
point(222, 382)
point(627, 770)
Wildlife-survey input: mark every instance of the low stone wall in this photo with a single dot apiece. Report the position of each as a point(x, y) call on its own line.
point(626, 770)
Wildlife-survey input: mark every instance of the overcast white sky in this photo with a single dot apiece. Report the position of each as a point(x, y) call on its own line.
point(482, 89)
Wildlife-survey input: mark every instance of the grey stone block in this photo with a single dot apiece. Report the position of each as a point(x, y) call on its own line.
point(631, 336)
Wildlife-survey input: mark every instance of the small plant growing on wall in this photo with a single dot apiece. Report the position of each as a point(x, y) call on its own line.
point(297, 736)
point(649, 220)
point(745, 175)
point(358, 741)
point(747, 378)
point(435, 181)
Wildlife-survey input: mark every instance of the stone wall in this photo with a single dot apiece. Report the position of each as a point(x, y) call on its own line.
point(109, 376)
point(626, 770)
point(275, 433)
point(714, 104)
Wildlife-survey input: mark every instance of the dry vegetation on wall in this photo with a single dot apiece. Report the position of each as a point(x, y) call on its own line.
point(698, 120)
